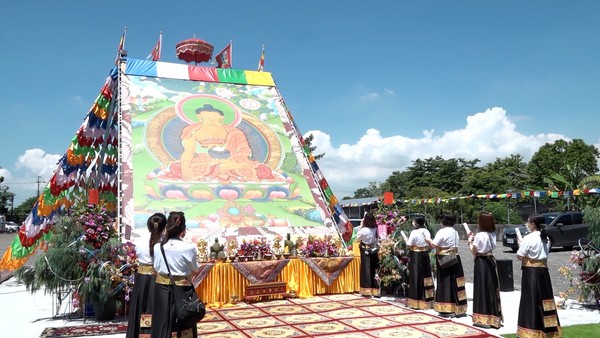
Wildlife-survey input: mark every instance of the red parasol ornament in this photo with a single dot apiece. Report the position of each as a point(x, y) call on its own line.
point(194, 50)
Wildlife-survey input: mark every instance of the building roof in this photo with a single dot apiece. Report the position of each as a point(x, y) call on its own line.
point(354, 202)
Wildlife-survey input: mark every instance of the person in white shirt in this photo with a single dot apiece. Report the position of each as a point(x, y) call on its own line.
point(450, 293)
point(182, 261)
point(487, 310)
point(141, 302)
point(537, 310)
point(369, 255)
point(420, 289)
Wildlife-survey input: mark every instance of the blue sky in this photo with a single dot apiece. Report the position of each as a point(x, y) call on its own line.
point(379, 83)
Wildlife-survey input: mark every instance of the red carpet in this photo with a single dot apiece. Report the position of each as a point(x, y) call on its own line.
point(329, 316)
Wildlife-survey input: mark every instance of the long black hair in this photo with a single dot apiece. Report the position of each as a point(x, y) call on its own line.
point(175, 226)
point(369, 220)
point(539, 222)
point(156, 225)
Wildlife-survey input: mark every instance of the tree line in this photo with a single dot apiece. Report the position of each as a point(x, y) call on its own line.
point(562, 166)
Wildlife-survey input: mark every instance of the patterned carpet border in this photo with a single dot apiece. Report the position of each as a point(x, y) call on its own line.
point(84, 330)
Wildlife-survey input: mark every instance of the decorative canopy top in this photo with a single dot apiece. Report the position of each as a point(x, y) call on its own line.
point(194, 50)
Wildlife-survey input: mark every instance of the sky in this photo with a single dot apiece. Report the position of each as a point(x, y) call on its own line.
point(379, 84)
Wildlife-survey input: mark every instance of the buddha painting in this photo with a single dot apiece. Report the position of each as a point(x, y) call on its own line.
point(213, 150)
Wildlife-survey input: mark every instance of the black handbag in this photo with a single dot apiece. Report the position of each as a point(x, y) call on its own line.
point(449, 260)
point(446, 261)
point(189, 309)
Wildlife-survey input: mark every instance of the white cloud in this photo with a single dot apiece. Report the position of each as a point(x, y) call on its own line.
point(486, 136)
point(33, 163)
point(389, 91)
point(370, 96)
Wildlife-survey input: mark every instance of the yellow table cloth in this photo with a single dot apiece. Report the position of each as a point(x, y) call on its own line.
point(224, 280)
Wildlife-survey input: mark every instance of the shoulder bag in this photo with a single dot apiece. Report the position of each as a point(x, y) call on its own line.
point(189, 309)
point(448, 260)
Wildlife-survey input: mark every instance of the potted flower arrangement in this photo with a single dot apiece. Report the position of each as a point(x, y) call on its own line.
point(393, 272)
point(85, 254)
point(255, 249)
point(586, 283)
point(321, 247)
point(388, 221)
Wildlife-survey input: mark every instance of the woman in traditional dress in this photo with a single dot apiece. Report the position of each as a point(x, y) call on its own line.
point(487, 311)
point(182, 261)
point(140, 308)
point(369, 260)
point(450, 294)
point(420, 289)
point(537, 310)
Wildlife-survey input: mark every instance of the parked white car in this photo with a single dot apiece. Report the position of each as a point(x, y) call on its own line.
point(11, 227)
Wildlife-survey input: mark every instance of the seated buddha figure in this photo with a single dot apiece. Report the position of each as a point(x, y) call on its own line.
point(214, 150)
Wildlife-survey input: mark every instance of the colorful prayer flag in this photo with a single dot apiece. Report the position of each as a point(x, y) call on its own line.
point(121, 46)
point(224, 58)
point(156, 51)
point(261, 62)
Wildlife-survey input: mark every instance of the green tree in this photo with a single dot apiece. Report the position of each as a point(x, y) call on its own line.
point(438, 173)
point(21, 211)
point(373, 190)
point(502, 175)
point(6, 198)
point(308, 141)
point(573, 160)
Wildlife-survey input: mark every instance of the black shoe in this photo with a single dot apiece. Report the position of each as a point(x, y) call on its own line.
point(447, 314)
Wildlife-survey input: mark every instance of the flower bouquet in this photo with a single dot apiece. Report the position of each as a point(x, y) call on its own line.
point(321, 247)
point(255, 249)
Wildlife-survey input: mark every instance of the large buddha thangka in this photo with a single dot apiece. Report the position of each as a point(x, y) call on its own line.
point(225, 154)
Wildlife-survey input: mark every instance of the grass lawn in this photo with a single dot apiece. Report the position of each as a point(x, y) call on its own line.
point(583, 330)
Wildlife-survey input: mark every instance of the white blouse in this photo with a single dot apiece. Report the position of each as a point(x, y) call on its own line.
point(484, 242)
point(182, 258)
point(367, 235)
point(142, 250)
point(417, 237)
point(446, 237)
point(533, 247)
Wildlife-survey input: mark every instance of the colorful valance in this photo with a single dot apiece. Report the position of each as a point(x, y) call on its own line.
point(197, 73)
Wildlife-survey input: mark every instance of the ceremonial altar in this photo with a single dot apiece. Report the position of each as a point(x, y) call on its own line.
point(216, 283)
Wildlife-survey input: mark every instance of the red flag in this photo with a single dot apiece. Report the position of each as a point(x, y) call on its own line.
point(261, 63)
point(224, 58)
point(121, 46)
point(388, 198)
point(155, 54)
